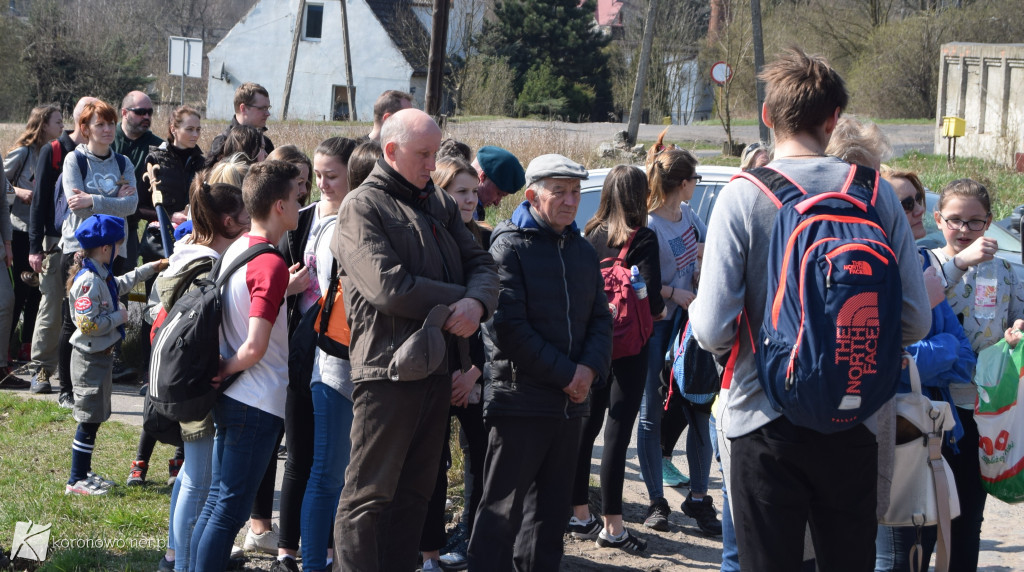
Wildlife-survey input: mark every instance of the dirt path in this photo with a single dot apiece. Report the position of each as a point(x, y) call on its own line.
point(684, 547)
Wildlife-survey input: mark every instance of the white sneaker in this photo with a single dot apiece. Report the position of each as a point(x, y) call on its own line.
point(265, 543)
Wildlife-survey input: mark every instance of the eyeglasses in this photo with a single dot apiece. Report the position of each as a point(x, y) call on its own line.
point(957, 224)
point(264, 108)
point(909, 202)
point(141, 110)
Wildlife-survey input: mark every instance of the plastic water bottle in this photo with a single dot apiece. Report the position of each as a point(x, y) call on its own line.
point(638, 283)
point(986, 290)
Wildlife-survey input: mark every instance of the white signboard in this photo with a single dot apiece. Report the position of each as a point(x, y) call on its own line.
point(185, 56)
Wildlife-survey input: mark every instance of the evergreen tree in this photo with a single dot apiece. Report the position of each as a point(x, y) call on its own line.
point(560, 36)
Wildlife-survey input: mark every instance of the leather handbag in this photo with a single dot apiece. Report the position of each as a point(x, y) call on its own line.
point(923, 491)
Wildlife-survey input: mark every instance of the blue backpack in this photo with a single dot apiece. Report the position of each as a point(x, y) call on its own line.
point(830, 350)
point(60, 204)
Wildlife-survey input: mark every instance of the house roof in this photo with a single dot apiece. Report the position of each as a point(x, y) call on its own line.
point(404, 29)
point(608, 12)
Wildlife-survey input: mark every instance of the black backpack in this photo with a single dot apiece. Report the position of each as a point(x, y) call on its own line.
point(186, 352)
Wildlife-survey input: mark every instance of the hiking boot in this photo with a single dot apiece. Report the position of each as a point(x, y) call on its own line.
point(265, 542)
point(86, 487)
point(703, 511)
point(671, 476)
point(284, 565)
point(173, 467)
point(66, 399)
point(41, 383)
point(584, 530)
point(624, 541)
point(137, 475)
point(10, 381)
point(657, 515)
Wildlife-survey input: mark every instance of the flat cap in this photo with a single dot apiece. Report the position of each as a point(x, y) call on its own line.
point(554, 165)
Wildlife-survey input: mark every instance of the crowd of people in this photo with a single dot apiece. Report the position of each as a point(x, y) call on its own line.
point(508, 329)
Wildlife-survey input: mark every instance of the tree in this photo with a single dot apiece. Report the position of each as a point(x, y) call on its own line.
point(562, 33)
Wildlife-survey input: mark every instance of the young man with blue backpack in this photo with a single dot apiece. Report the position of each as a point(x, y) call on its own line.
point(801, 290)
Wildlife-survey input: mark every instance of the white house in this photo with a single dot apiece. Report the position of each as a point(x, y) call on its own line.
point(388, 43)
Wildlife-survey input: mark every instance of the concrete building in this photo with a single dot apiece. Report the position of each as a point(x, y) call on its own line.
point(388, 41)
point(983, 84)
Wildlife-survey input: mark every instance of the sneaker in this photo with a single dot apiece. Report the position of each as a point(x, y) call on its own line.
point(237, 552)
point(173, 467)
point(584, 530)
point(10, 381)
point(431, 565)
point(457, 540)
point(123, 373)
point(236, 562)
point(657, 515)
point(66, 399)
point(671, 476)
point(86, 487)
point(284, 564)
point(165, 565)
point(624, 541)
point(100, 480)
point(265, 542)
point(703, 511)
point(41, 382)
point(137, 474)
point(454, 561)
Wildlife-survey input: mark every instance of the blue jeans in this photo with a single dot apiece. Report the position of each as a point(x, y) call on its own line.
point(332, 422)
point(893, 544)
point(190, 491)
point(730, 554)
point(648, 434)
point(246, 438)
point(698, 446)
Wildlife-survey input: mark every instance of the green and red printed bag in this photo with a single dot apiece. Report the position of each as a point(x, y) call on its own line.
point(1000, 421)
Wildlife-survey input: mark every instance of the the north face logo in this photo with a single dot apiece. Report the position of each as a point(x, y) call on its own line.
point(858, 267)
point(857, 330)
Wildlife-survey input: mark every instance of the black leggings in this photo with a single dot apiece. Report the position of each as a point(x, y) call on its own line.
point(621, 396)
point(471, 419)
point(298, 434)
point(26, 298)
point(144, 450)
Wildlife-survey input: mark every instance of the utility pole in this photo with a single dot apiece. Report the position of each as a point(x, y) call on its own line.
point(755, 16)
point(435, 65)
point(291, 59)
point(349, 88)
point(641, 74)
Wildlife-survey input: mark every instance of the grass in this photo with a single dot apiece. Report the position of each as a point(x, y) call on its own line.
point(130, 524)
point(1005, 186)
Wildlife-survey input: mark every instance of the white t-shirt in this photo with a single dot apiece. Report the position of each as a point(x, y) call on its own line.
point(257, 290)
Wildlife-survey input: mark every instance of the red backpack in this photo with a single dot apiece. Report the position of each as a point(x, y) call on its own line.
point(632, 323)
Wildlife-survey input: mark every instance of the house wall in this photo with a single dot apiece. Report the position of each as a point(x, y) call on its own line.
point(258, 47)
point(984, 85)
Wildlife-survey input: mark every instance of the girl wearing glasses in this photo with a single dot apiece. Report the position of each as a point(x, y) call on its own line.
point(963, 214)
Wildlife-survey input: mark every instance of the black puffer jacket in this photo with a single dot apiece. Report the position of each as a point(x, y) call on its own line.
point(177, 168)
point(552, 315)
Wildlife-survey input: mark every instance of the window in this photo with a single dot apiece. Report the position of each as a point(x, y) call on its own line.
point(341, 110)
point(314, 22)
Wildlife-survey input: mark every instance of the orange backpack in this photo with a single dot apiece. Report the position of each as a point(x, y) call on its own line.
point(331, 324)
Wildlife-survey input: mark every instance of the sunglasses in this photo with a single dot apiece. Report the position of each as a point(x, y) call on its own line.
point(696, 179)
point(141, 111)
point(909, 202)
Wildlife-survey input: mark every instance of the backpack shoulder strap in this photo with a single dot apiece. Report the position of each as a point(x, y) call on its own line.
point(122, 161)
point(247, 256)
point(83, 163)
point(862, 182)
point(625, 247)
point(779, 188)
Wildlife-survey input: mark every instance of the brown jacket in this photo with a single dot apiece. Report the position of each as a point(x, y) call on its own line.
point(400, 256)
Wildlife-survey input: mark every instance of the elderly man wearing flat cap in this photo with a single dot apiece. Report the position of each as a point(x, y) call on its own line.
point(500, 175)
point(548, 342)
